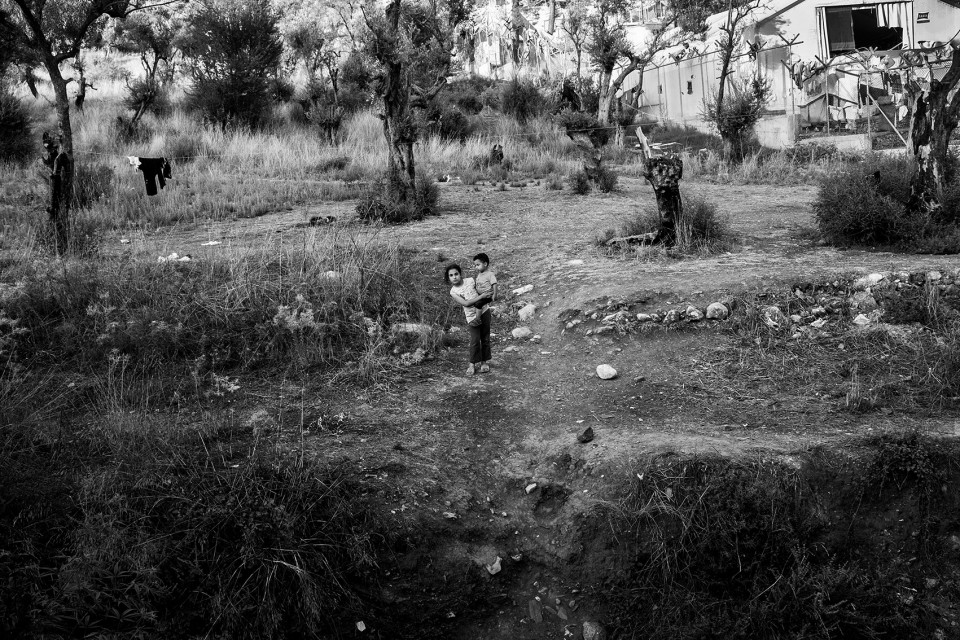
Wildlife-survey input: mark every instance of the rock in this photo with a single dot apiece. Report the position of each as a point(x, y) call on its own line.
point(871, 280)
point(526, 313)
point(332, 275)
point(494, 568)
point(575, 263)
point(511, 348)
point(604, 329)
point(535, 339)
point(521, 332)
point(773, 317)
point(530, 487)
point(411, 327)
point(644, 317)
point(717, 311)
point(863, 301)
point(536, 610)
point(693, 314)
point(522, 290)
point(593, 631)
point(818, 311)
point(795, 319)
point(934, 276)
point(586, 436)
point(861, 320)
point(606, 372)
point(672, 316)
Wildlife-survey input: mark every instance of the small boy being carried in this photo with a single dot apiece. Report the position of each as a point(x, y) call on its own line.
point(486, 286)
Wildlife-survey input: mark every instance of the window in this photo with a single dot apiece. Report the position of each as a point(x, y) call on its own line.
point(860, 27)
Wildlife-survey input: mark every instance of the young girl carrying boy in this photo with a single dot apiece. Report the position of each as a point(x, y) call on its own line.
point(475, 296)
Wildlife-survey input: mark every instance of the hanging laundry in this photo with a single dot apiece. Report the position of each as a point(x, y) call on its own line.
point(154, 170)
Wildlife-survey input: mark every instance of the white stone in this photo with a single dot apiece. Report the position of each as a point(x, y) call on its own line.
point(411, 327)
point(717, 311)
point(575, 263)
point(530, 487)
point(593, 631)
point(863, 301)
point(332, 275)
point(526, 313)
point(524, 289)
point(773, 316)
point(871, 280)
point(644, 317)
point(606, 372)
point(521, 332)
point(511, 348)
point(934, 276)
point(693, 314)
point(861, 320)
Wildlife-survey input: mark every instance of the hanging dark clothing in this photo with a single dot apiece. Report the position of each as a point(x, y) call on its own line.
point(154, 170)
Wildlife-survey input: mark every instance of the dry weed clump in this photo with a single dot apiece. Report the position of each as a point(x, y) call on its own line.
point(719, 547)
point(312, 309)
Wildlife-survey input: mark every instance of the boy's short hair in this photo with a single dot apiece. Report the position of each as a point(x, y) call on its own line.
point(446, 272)
point(482, 257)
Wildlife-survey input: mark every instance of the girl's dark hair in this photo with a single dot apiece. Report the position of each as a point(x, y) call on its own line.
point(482, 257)
point(446, 272)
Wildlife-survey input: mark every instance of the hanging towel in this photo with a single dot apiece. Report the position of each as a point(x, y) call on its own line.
point(154, 170)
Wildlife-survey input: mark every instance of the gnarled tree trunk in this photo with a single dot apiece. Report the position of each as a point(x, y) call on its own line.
point(935, 117)
point(59, 158)
point(398, 125)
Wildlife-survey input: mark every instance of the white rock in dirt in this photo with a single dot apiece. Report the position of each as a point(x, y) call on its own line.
point(593, 631)
point(411, 327)
point(535, 339)
point(717, 311)
point(644, 317)
point(934, 276)
point(693, 314)
point(575, 263)
point(522, 290)
point(606, 372)
point(494, 568)
point(871, 280)
point(773, 316)
point(332, 275)
point(511, 348)
point(863, 301)
point(521, 332)
point(861, 320)
point(526, 313)
point(530, 487)
point(611, 317)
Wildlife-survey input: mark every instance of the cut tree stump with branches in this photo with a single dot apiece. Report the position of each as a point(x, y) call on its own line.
point(664, 174)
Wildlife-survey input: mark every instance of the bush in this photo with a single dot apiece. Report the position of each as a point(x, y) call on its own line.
point(854, 207)
point(447, 122)
point(233, 50)
point(702, 227)
point(579, 182)
point(606, 179)
point(380, 204)
point(145, 95)
point(16, 138)
point(522, 100)
point(465, 93)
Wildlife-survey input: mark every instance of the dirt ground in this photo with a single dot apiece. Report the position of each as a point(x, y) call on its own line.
point(460, 450)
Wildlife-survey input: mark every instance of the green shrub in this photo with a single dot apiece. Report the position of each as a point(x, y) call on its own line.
point(579, 182)
point(16, 138)
point(553, 182)
point(233, 50)
point(380, 204)
point(522, 100)
point(465, 93)
point(702, 225)
point(855, 208)
point(606, 179)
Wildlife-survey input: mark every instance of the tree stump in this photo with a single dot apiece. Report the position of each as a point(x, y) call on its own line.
point(664, 174)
